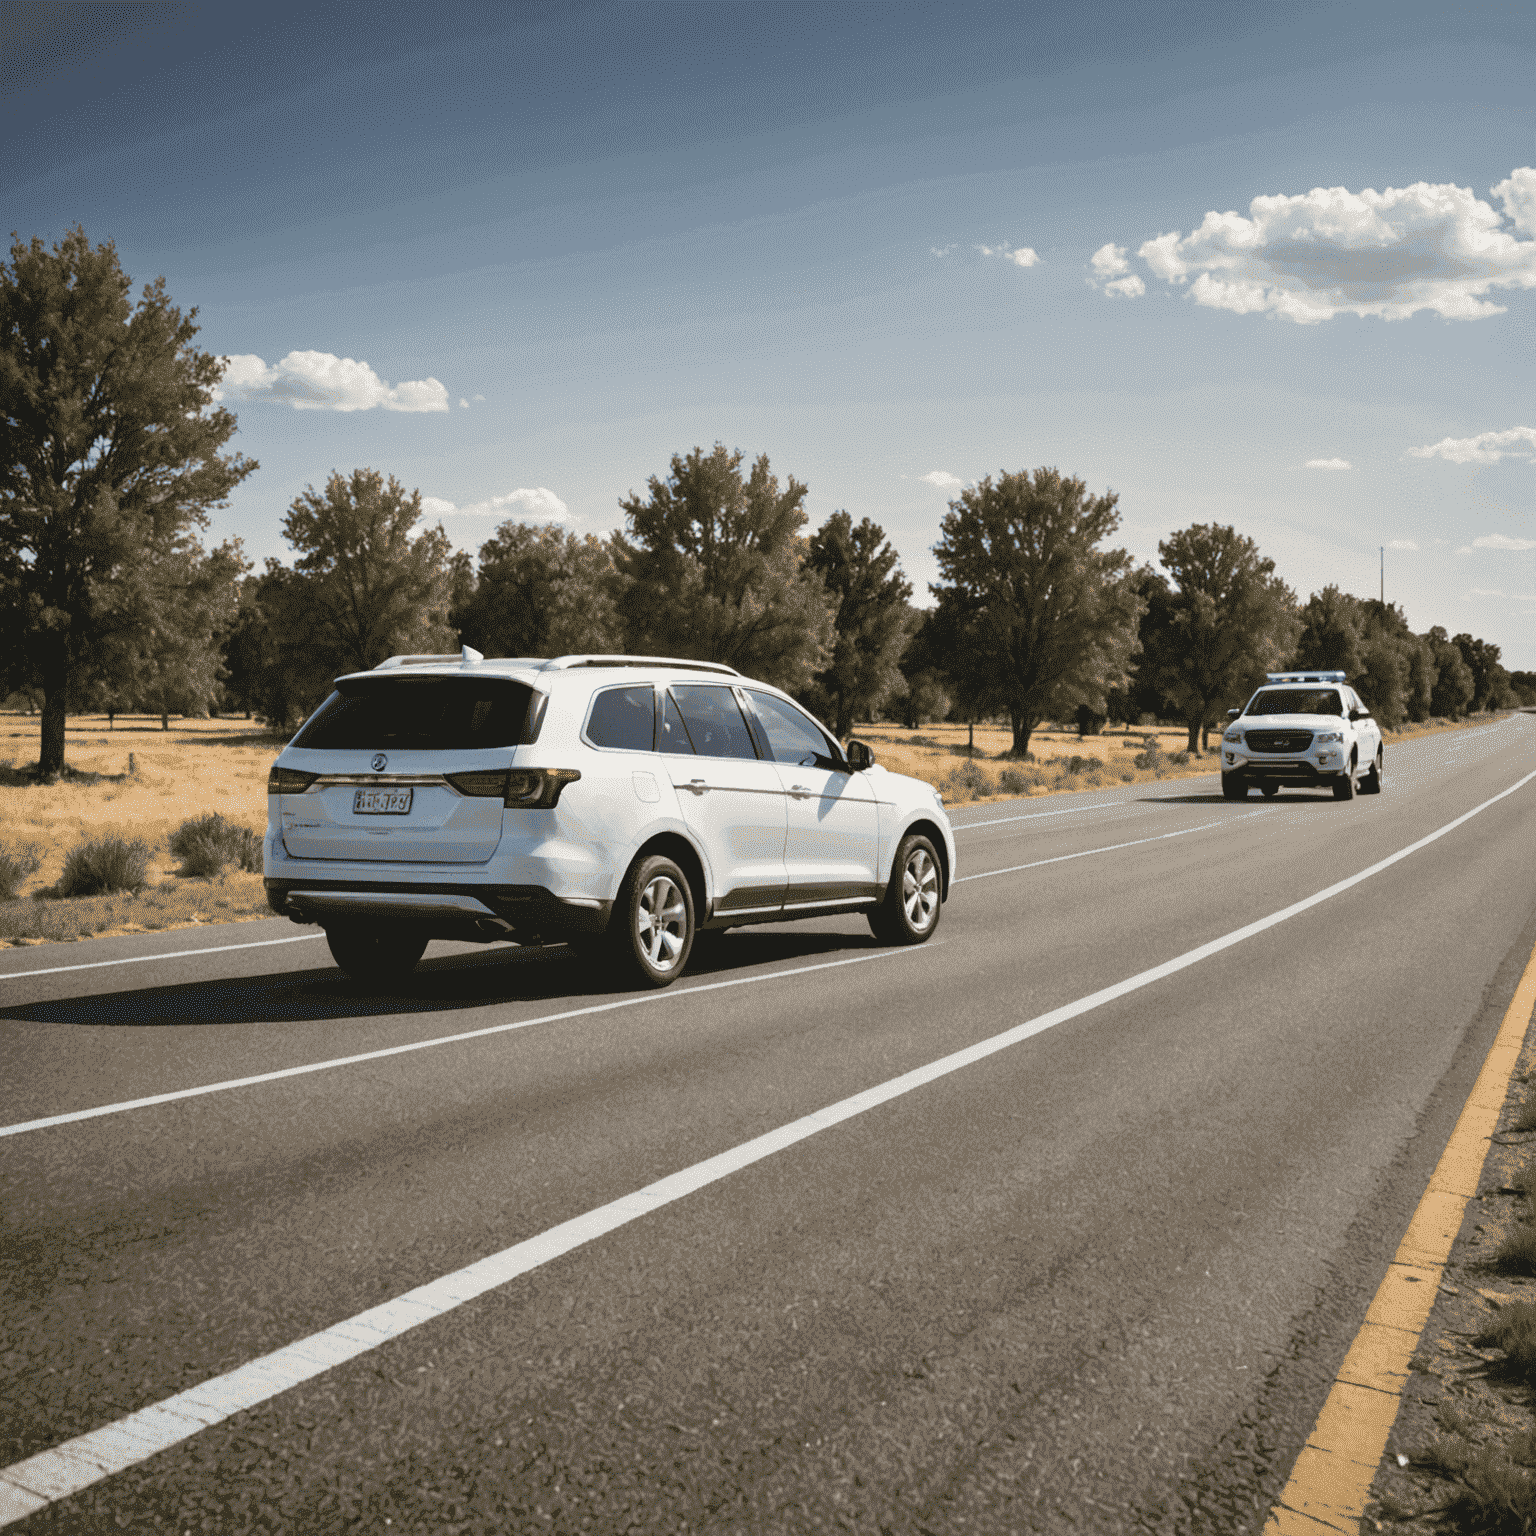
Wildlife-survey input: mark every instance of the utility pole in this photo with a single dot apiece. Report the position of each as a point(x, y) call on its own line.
point(1383, 575)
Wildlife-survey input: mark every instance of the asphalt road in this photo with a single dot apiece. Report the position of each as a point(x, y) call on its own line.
point(1096, 1280)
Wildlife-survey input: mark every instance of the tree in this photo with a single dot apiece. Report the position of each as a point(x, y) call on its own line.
point(1490, 682)
point(541, 592)
point(1040, 618)
point(1452, 690)
point(109, 459)
point(714, 567)
point(369, 590)
point(175, 664)
point(862, 574)
point(1231, 620)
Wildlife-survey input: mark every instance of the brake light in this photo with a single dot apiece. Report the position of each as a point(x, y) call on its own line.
point(527, 789)
point(288, 781)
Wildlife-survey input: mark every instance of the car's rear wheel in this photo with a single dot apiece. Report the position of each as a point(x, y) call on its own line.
point(374, 958)
point(1371, 783)
point(913, 901)
point(651, 930)
point(1233, 788)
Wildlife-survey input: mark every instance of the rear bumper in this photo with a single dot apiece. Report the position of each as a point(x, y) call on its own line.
point(478, 913)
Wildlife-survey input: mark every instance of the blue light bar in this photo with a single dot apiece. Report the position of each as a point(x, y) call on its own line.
point(1305, 677)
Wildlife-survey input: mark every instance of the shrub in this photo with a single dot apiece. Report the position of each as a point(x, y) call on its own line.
point(15, 865)
point(104, 864)
point(1151, 755)
point(967, 782)
point(1513, 1331)
point(1019, 781)
point(1092, 765)
point(205, 844)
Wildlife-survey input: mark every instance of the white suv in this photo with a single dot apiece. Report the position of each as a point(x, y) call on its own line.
point(1302, 730)
point(623, 804)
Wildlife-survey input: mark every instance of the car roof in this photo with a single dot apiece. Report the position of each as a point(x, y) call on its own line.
point(533, 669)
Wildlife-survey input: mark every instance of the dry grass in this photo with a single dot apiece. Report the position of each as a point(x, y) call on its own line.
point(197, 767)
point(937, 755)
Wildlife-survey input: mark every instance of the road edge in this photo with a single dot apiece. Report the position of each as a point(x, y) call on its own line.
point(1330, 1482)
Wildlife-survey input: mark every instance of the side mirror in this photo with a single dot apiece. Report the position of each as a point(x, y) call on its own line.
point(860, 756)
point(1232, 714)
point(1359, 714)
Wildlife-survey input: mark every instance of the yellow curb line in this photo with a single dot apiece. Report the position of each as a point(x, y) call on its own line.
point(1331, 1481)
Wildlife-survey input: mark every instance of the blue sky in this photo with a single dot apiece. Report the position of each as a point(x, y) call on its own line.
point(519, 255)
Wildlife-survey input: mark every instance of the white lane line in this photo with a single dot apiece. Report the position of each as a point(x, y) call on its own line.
point(40, 1480)
point(673, 993)
point(1088, 853)
point(175, 954)
point(1074, 810)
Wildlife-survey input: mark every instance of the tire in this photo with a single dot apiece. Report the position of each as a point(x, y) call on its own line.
point(708, 946)
point(374, 959)
point(1344, 788)
point(910, 910)
point(1269, 791)
point(1233, 788)
point(1371, 783)
point(651, 930)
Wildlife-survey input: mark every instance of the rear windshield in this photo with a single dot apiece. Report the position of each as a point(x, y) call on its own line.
point(1295, 701)
point(421, 714)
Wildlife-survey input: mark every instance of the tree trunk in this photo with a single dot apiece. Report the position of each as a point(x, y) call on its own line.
point(1021, 733)
point(1194, 738)
point(970, 744)
point(165, 720)
point(50, 756)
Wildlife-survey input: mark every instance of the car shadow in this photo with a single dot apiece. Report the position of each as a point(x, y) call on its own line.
point(448, 984)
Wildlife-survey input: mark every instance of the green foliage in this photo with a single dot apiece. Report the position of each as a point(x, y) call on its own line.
point(714, 566)
point(1453, 686)
point(205, 844)
point(1490, 682)
point(1392, 669)
point(16, 864)
point(104, 864)
point(862, 574)
point(1033, 617)
point(109, 439)
point(541, 592)
point(1230, 620)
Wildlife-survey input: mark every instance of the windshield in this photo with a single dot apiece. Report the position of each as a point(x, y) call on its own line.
point(420, 714)
point(1295, 701)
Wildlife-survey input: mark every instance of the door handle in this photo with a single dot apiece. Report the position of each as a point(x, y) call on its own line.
point(800, 792)
point(698, 786)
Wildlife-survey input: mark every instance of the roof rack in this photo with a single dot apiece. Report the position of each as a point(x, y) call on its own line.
point(464, 658)
point(1305, 677)
point(565, 663)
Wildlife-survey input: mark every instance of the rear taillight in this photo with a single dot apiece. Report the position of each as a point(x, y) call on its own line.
point(289, 781)
point(527, 789)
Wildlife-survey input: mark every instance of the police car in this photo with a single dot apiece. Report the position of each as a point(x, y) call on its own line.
point(1302, 730)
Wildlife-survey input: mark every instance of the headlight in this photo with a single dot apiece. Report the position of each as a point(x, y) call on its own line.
point(1326, 736)
point(1232, 736)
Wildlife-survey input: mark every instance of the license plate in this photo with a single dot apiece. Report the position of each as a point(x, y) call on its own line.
point(382, 802)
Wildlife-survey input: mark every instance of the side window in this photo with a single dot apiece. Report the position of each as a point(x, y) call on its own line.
point(673, 735)
point(623, 718)
point(714, 721)
point(792, 736)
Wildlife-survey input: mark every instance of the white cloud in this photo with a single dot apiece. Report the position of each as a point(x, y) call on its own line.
point(1485, 448)
point(1329, 464)
point(1502, 541)
point(943, 479)
point(463, 403)
point(1112, 271)
point(1402, 544)
point(321, 381)
point(1331, 251)
point(541, 505)
point(1020, 256)
point(943, 250)
point(1109, 261)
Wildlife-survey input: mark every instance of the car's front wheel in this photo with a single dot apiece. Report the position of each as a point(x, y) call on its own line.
point(651, 930)
point(1371, 783)
point(1233, 787)
point(1344, 785)
point(913, 900)
point(374, 958)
